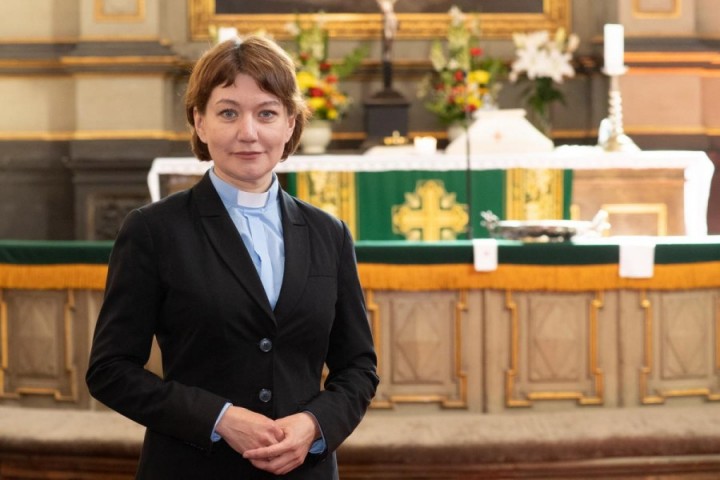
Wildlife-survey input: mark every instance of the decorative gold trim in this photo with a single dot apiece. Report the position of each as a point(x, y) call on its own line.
point(672, 57)
point(659, 397)
point(556, 13)
point(98, 135)
point(101, 16)
point(336, 195)
point(70, 368)
point(673, 12)
point(373, 311)
point(522, 192)
point(3, 343)
point(460, 374)
point(594, 371)
point(659, 209)
point(120, 60)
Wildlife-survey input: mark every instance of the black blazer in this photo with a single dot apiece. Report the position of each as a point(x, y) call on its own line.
point(180, 271)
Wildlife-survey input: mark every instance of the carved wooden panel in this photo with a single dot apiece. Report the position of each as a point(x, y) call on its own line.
point(36, 338)
point(420, 346)
point(681, 346)
point(554, 348)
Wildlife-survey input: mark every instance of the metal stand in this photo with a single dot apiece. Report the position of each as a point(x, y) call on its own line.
point(611, 136)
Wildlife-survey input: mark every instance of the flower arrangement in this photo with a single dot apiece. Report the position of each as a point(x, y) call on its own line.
point(544, 61)
point(317, 78)
point(464, 79)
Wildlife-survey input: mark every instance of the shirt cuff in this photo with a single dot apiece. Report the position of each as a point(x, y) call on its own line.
point(214, 436)
point(318, 446)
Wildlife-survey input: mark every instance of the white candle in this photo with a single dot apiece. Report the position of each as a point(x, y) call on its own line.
point(226, 33)
point(614, 49)
point(425, 145)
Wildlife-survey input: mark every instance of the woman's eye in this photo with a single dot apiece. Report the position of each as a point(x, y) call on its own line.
point(228, 114)
point(268, 114)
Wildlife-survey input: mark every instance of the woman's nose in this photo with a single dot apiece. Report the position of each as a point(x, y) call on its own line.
point(247, 131)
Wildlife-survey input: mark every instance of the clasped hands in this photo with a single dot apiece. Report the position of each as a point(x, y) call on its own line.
point(277, 446)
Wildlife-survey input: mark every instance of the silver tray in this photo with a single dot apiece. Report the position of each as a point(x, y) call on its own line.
point(544, 230)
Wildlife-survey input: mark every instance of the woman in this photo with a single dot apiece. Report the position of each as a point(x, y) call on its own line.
point(248, 291)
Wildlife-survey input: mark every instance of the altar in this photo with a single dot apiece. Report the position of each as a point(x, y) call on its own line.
point(397, 193)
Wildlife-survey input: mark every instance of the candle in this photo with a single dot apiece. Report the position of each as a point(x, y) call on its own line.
point(425, 145)
point(226, 33)
point(614, 49)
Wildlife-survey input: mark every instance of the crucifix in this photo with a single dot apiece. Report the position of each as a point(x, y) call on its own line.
point(386, 112)
point(390, 27)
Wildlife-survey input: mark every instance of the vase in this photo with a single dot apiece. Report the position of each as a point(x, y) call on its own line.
point(454, 131)
point(316, 137)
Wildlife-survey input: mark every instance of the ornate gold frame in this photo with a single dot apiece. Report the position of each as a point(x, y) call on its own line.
point(101, 16)
point(556, 13)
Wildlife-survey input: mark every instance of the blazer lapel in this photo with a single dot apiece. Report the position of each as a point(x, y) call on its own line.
point(226, 241)
point(297, 255)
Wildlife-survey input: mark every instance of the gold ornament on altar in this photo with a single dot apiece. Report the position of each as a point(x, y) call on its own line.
point(430, 213)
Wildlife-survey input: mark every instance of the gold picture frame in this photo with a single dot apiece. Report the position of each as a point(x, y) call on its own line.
point(204, 19)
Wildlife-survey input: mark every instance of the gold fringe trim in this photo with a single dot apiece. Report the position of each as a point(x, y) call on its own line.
point(562, 278)
point(53, 277)
point(558, 278)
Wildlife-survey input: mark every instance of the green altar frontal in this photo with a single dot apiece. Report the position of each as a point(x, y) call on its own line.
point(430, 205)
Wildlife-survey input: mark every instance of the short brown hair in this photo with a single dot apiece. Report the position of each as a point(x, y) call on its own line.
point(260, 58)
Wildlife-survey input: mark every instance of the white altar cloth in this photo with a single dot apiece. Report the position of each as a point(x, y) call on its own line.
point(697, 167)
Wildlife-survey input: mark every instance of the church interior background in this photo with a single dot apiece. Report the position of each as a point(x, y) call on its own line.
point(499, 358)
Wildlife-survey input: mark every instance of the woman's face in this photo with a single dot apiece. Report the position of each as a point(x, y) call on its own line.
point(246, 130)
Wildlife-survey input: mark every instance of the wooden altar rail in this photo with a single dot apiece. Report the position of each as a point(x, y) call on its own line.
point(530, 371)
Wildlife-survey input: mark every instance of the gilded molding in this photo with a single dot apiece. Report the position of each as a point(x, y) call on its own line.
point(445, 401)
point(101, 14)
point(639, 12)
point(594, 371)
point(658, 396)
point(657, 209)
point(203, 19)
point(70, 367)
point(533, 194)
point(333, 192)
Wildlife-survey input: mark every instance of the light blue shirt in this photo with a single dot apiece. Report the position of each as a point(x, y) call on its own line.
point(257, 218)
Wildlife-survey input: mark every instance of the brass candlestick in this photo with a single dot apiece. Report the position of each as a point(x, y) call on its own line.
point(611, 136)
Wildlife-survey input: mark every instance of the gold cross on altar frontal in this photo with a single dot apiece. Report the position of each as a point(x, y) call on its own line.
point(430, 213)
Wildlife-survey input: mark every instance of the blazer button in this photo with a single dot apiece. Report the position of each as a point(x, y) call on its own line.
point(265, 395)
point(265, 345)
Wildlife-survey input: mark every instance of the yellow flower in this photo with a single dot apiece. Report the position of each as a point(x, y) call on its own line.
point(305, 80)
point(316, 103)
point(481, 77)
point(332, 114)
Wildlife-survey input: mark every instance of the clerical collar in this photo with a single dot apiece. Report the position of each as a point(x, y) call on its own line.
point(231, 196)
point(252, 199)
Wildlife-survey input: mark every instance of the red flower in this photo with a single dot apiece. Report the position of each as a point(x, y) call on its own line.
point(332, 78)
point(324, 66)
point(459, 75)
point(476, 51)
point(316, 92)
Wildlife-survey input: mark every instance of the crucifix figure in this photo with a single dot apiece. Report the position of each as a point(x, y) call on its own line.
point(390, 27)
